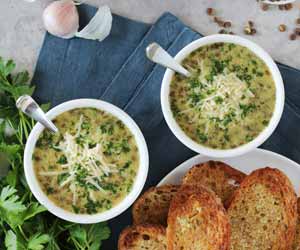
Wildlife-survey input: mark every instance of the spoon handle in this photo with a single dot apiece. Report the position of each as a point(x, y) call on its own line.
point(28, 106)
point(157, 54)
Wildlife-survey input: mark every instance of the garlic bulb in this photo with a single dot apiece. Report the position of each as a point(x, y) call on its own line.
point(61, 18)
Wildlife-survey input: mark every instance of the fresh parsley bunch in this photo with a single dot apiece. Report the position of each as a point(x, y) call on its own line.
point(24, 223)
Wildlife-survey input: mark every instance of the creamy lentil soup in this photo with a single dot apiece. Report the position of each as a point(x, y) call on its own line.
point(228, 100)
point(90, 165)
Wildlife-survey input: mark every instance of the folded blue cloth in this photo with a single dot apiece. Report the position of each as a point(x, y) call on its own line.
point(116, 70)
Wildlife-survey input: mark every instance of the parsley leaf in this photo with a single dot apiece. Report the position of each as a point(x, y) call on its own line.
point(11, 208)
point(89, 237)
point(37, 241)
point(12, 242)
point(33, 209)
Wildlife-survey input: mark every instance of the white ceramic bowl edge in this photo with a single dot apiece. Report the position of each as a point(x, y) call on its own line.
point(263, 136)
point(139, 181)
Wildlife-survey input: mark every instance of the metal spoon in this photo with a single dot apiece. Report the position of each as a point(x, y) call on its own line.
point(29, 107)
point(157, 54)
point(281, 2)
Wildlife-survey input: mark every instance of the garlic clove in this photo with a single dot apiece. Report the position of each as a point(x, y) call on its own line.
point(61, 19)
point(99, 27)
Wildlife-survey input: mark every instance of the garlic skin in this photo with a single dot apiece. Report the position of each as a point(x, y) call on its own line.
point(61, 19)
point(99, 26)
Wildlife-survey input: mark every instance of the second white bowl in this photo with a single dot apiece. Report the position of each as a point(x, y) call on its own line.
point(263, 136)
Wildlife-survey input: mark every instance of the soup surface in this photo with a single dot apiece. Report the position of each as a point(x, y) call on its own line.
point(228, 100)
point(90, 165)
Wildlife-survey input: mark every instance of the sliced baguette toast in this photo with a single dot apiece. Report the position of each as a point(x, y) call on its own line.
point(263, 212)
point(296, 245)
point(153, 206)
point(197, 220)
point(143, 237)
point(217, 176)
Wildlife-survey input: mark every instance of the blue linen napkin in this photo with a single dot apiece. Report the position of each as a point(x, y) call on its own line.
point(116, 70)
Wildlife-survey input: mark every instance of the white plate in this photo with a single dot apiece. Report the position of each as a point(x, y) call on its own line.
point(253, 160)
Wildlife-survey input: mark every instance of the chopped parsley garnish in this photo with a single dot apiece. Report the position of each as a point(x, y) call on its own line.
point(265, 122)
point(246, 109)
point(62, 160)
point(107, 128)
point(76, 209)
point(50, 190)
point(219, 99)
point(61, 178)
point(126, 166)
point(92, 206)
point(202, 137)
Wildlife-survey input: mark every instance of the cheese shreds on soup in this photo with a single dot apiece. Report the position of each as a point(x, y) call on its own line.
point(228, 100)
point(90, 165)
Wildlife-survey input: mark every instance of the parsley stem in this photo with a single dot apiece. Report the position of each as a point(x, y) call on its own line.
point(22, 232)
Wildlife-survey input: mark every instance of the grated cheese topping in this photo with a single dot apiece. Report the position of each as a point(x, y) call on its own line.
point(78, 157)
point(221, 97)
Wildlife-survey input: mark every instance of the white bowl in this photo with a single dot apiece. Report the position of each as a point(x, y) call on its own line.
point(139, 180)
point(263, 136)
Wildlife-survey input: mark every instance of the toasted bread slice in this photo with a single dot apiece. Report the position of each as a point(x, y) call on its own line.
point(217, 176)
point(197, 220)
point(146, 237)
point(153, 206)
point(296, 245)
point(263, 212)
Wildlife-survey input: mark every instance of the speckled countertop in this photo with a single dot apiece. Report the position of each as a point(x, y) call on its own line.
point(21, 29)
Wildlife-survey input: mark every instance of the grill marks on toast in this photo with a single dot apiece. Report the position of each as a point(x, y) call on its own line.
point(153, 206)
point(197, 220)
point(296, 245)
point(143, 237)
point(263, 212)
point(217, 176)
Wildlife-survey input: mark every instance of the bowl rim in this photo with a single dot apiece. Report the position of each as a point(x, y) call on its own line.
point(268, 130)
point(140, 178)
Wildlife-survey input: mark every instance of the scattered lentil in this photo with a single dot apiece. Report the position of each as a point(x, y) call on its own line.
point(216, 19)
point(227, 24)
point(288, 6)
point(219, 21)
point(210, 11)
point(282, 27)
point(247, 30)
point(297, 31)
point(253, 31)
point(293, 36)
point(264, 7)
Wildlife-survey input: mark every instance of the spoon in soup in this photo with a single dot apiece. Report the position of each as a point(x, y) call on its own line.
point(28, 106)
point(157, 54)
